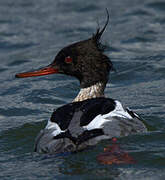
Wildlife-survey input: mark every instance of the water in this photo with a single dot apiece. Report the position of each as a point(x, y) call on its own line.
point(31, 33)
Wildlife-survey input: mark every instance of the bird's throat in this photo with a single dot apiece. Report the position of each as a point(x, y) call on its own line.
point(94, 91)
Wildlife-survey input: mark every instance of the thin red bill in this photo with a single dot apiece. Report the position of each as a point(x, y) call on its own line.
point(40, 72)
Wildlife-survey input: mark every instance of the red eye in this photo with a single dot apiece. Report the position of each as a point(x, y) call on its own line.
point(68, 59)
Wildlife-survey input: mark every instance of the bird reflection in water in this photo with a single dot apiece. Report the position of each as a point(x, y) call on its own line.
point(113, 154)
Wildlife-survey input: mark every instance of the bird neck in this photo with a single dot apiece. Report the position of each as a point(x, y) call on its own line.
point(96, 90)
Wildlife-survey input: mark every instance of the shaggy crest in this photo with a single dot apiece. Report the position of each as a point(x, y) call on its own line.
point(96, 37)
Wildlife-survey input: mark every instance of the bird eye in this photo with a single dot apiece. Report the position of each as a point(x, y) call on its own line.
point(68, 59)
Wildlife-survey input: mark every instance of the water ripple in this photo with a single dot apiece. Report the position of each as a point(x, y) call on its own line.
point(157, 5)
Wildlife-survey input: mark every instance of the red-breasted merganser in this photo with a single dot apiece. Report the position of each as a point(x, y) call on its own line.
point(91, 117)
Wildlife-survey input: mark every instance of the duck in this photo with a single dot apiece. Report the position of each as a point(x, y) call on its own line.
point(91, 117)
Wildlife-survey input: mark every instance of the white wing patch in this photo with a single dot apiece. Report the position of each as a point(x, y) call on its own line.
point(119, 112)
point(136, 115)
point(99, 120)
point(55, 127)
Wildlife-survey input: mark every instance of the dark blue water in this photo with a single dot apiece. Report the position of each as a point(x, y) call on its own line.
point(31, 33)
